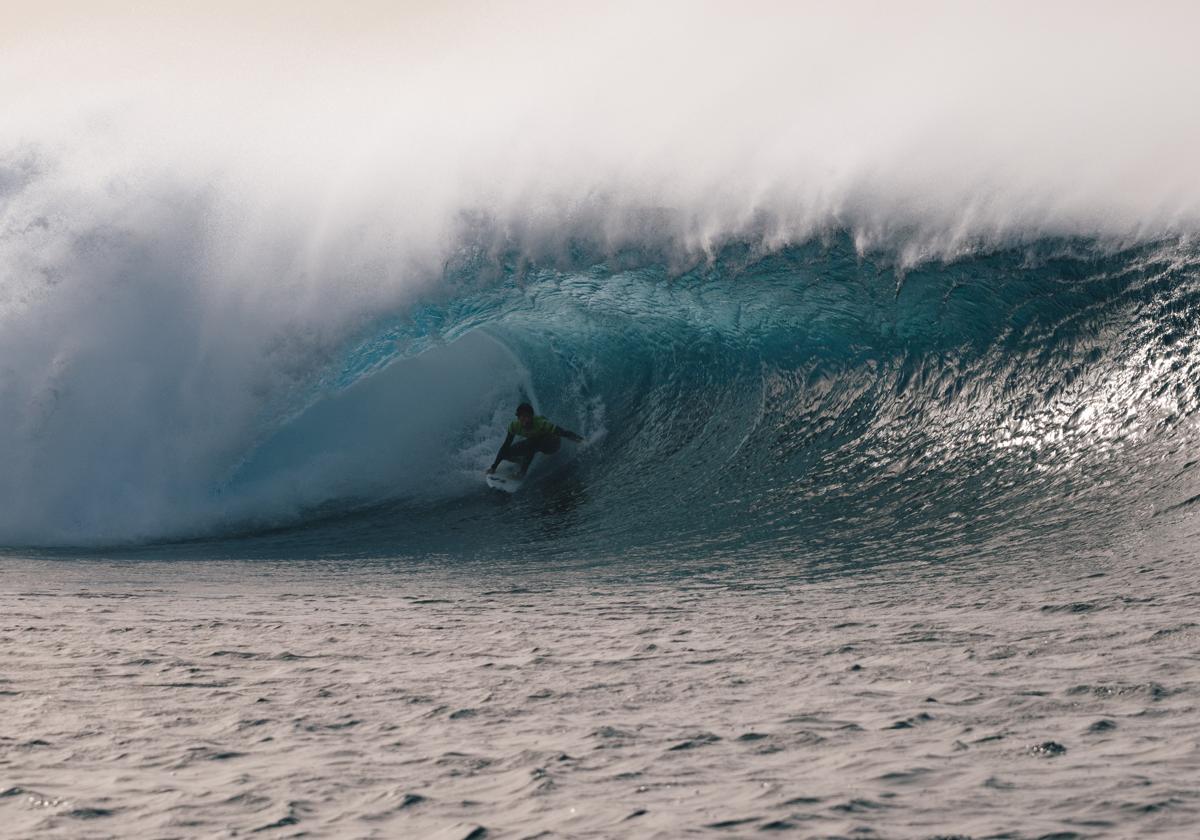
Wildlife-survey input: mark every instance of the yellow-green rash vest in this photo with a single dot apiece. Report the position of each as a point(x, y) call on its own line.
point(539, 428)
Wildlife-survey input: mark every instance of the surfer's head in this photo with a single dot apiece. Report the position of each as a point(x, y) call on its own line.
point(525, 414)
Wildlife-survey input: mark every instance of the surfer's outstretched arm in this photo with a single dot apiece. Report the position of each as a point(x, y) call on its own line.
point(500, 455)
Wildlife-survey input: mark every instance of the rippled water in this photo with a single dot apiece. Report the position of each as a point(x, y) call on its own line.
point(991, 697)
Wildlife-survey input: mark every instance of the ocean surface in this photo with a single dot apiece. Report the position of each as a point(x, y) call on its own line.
point(885, 350)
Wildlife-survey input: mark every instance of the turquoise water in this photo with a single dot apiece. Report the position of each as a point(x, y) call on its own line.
point(804, 407)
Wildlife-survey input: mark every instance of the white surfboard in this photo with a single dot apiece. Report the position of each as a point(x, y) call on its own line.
point(505, 478)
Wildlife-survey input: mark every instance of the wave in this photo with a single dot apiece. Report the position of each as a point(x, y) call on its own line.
point(808, 402)
point(805, 402)
point(795, 301)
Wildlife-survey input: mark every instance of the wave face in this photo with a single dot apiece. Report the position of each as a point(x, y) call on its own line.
point(797, 312)
point(805, 404)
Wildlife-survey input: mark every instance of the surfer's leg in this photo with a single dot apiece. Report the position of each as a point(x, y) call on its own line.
point(549, 445)
point(533, 448)
point(520, 452)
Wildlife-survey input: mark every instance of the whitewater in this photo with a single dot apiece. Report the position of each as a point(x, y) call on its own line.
point(881, 324)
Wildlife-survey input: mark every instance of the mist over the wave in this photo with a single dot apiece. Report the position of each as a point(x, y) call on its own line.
point(202, 212)
point(930, 125)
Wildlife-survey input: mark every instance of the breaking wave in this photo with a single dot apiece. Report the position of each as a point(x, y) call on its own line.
point(795, 312)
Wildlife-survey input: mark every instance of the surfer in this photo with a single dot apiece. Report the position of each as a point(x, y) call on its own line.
point(540, 436)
